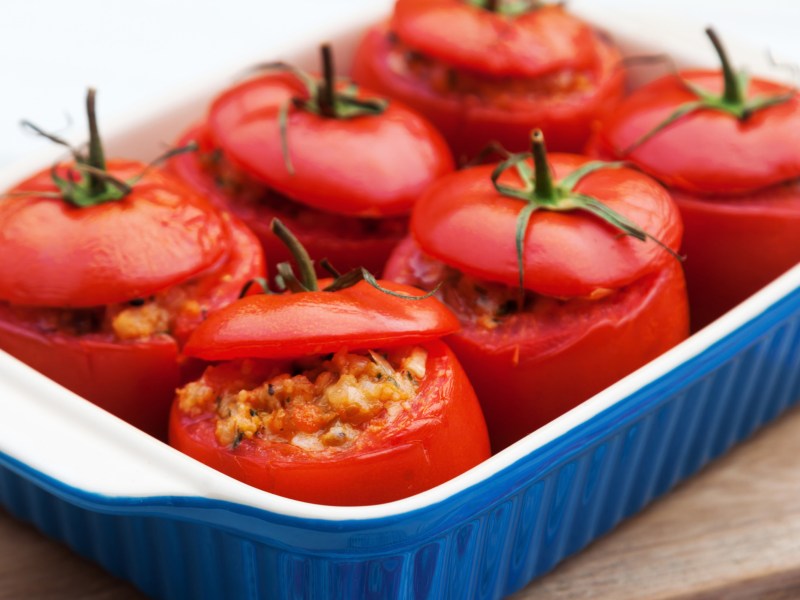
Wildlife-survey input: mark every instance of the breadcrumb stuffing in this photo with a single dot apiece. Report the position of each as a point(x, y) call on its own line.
point(326, 403)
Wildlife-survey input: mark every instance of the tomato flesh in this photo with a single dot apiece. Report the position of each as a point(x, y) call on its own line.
point(534, 365)
point(411, 453)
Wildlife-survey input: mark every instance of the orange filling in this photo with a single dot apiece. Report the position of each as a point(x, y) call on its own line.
point(324, 402)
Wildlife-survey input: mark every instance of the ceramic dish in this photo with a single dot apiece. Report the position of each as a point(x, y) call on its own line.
point(178, 529)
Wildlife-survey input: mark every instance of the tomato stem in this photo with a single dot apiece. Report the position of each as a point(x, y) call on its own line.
point(733, 93)
point(492, 5)
point(545, 190)
point(326, 96)
point(96, 158)
point(307, 275)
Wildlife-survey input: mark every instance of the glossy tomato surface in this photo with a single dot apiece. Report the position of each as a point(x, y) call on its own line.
point(133, 380)
point(466, 223)
point(439, 436)
point(311, 323)
point(79, 348)
point(347, 242)
point(735, 182)
point(707, 152)
point(472, 106)
point(160, 234)
point(735, 246)
point(532, 366)
point(364, 166)
point(534, 43)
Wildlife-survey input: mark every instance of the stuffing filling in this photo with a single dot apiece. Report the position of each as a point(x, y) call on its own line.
point(138, 319)
point(324, 402)
point(236, 184)
point(486, 304)
point(445, 79)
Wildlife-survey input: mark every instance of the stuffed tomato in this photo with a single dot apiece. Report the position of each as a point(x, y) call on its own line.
point(726, 147)
point(563, 283)
point(114, 264)
point(339, 166)
point(489, 71)
point(340, 393)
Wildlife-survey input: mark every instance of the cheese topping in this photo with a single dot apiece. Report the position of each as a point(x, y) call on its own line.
point(327, 402)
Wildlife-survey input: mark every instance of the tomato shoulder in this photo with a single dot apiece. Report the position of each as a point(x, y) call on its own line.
point(160, 234)
point(708, 151)
point(464, 222)
point(369, 165)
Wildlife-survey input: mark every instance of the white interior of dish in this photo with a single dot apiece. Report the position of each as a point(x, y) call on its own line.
point(65, 437)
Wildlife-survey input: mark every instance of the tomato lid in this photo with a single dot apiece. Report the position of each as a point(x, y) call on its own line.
point(158, 235)
point(707, 151)
point(466, 223)
point(312, 323)
point(367, 166)
point(539, 41)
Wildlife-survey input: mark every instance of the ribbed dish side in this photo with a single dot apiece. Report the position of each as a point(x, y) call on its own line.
point(545, 507)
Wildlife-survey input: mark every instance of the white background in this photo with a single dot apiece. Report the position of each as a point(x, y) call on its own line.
point(136, 51)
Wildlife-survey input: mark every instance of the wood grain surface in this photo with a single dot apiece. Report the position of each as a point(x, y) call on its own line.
point(731, 532)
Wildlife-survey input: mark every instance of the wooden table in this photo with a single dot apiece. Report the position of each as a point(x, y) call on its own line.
point(731, 532)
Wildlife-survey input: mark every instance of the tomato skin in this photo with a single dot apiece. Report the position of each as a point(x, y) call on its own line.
point(504, 114)
point(133, 380)
point(707, 152)
point(735, 183)
point(735, 246)
point(344, 166)
point(320, 233)
point(538, 365)
point(541, 41)
point(108, 253)
point(463, 221)
point(415, 453)
point(311, 323)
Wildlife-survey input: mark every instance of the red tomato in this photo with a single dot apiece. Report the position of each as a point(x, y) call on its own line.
point(733, 171)
point(493, 77)
point(465, 223)
point(391, 457)
point(287, 326)
point(596, 305)
point(414, 453)
point(366, 166)
point(346, 241)
point(74, 312)
point(532, 366)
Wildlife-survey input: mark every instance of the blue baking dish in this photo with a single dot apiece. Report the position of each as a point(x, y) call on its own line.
point(177, 529)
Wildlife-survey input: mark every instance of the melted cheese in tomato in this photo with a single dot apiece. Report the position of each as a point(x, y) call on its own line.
point(327, 403)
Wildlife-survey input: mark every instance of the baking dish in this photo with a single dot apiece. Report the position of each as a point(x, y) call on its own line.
point(178, 529)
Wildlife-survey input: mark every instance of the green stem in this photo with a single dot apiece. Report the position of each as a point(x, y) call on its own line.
point(545, 190)
point(327, 90)
point(733, 92)
point(307, 275)
point(96, 157)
